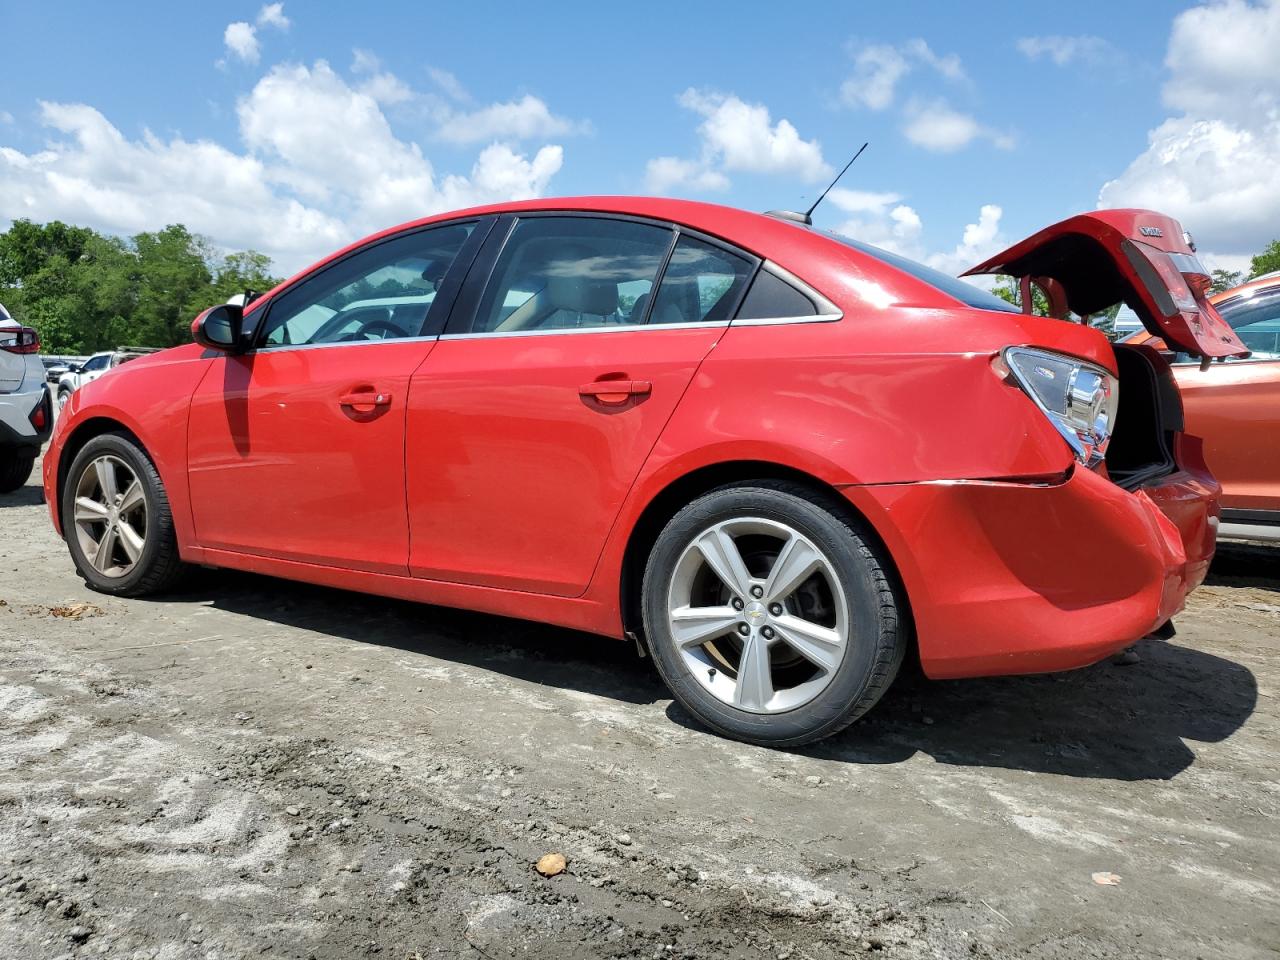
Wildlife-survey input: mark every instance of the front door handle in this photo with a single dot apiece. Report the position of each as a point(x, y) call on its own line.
point(365, 398)
point(614, 393)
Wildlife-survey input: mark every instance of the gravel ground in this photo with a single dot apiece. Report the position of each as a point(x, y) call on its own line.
point(258, 768)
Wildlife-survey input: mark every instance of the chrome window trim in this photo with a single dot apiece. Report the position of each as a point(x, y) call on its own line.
point(600, 328)
point(280, 347)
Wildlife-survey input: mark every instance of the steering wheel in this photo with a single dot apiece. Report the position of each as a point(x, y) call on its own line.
point(388, 330)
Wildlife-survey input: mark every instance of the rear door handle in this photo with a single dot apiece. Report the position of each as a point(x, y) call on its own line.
point(365, 398)
point(614, 393)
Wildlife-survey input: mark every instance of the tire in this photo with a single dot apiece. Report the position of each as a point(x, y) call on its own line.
point(63, 396)
point(157, 566)
point(848, 596)
point(16, 464)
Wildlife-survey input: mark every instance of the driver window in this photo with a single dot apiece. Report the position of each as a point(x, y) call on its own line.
point(381, 293)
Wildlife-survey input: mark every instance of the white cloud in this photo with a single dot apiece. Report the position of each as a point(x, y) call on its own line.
point(241, 38)
point(980, 240)
point(664, 175)
point(876, 72)
point(882, 219)
point(936, 126)
point(381, 85)
point(878, 68)
point(272, 15)
point(449, 85)
point(320, 166)
point(736, 136)
point(1213, 165)
point(6, 116)
point(242, 41)
point(1062, 50)
point(741, 136)
point(524, 119)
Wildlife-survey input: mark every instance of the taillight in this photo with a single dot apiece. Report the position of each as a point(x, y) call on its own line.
point(25, 340)
point(1079, 399)
point(40, 416)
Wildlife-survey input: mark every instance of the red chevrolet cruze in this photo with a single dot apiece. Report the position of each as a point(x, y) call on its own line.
point(779, 458)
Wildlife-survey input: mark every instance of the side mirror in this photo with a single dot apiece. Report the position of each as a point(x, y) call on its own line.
point(218, 328)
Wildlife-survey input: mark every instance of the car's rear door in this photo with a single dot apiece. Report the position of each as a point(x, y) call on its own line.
point(1098, 259)
point(532, 417)
point(296, 447)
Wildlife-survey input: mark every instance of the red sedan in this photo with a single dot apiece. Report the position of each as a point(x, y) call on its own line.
point(777, 458)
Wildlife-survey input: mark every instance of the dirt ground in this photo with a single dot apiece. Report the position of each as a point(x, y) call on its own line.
point(258, 768)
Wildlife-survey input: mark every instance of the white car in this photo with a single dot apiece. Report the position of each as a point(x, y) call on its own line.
point(26, 415)
point(98, 364)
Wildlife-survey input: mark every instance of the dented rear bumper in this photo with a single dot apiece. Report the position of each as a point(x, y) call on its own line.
point(1007, 578)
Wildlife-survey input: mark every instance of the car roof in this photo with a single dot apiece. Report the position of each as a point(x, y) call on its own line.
point(1264, 282)
point(818, 259)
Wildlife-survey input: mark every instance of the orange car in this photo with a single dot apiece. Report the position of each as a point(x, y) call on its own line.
point(1235, 407)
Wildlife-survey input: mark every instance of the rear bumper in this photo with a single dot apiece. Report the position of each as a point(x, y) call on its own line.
point(16, 426)
point(1008, 578)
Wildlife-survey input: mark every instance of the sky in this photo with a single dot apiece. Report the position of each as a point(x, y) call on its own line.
point(294, 128)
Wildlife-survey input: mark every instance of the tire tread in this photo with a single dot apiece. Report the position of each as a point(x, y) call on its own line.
point(890, 642)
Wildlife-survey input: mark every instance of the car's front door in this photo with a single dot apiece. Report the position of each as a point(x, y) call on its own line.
point(296, 447)
point(529, 422)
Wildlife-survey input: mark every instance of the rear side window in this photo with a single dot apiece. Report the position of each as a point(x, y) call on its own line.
point(1256, 321)
point(771, 297)
point(966, 293)
point(570, 273)
point(702, 284)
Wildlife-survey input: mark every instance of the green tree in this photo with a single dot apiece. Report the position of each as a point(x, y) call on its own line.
point(1225, 280)
point(245, 270)
point(1268, 261)
point(85, 292)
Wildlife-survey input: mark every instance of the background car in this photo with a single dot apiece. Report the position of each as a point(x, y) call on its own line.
point(95, 366)
point(55, 366)
point(26, 416)
point(1235, 407)
point(776, 457)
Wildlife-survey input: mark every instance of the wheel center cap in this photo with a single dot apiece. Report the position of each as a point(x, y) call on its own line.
point(115, 513)
point(756, 611)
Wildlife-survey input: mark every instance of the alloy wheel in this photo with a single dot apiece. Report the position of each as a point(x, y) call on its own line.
point(110, 516)
point(758, 615)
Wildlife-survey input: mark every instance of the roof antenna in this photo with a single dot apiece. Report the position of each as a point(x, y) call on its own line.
point(807, 217)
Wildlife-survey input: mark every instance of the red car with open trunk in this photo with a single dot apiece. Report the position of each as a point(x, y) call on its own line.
point(779, 458)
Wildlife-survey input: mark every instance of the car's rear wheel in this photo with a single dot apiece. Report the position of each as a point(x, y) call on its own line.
point(769, 614)
point(15, 468)
point(117, 521)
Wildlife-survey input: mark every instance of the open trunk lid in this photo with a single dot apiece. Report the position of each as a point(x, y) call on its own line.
point(1094, 260)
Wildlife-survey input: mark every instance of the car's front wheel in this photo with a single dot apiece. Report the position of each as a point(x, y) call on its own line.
point(117, 521)
point(63, 396)
point(769, 614)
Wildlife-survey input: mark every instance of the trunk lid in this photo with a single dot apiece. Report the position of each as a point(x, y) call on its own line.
point(1095, 260)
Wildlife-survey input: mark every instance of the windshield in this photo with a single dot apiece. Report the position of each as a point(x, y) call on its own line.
point(961, 290)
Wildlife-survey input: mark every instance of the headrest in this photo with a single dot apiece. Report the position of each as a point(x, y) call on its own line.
point(579, 295)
